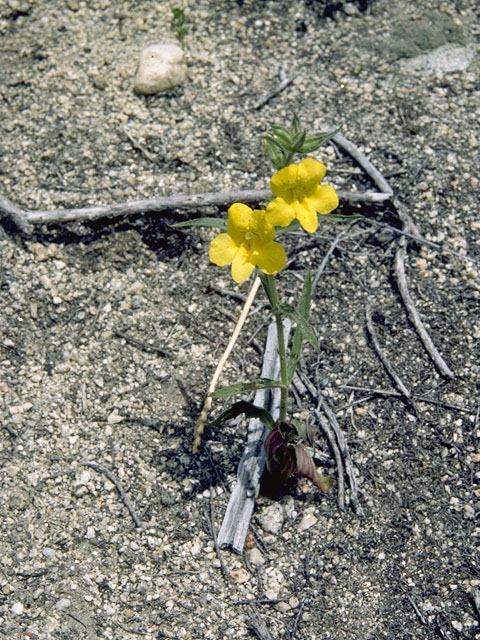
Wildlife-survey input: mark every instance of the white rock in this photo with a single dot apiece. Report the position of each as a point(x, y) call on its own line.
point(17, 608)
point(62, 604)
point(444, 59)
point(160, 67)
point(307, 521)
point(271, 518)
point(255, 557)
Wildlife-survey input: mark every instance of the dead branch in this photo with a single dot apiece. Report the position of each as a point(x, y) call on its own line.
point(399, 267)
point(250, 468)
point(384, 360)
point(25, 219)
point(121, 492)
point(285, 82)
point(200, 426)
point(336, 439)
point(413, 314)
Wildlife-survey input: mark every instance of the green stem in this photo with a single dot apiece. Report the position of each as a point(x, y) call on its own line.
point(272, 294)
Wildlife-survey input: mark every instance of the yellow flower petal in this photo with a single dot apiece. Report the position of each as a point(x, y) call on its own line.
point(325, 199)
point(310, 173)
point(222, 250)
point(240, 218)
point(279, 213)
point(284, 180)
point(241, 265)
point(306, 215)
point(272, 259)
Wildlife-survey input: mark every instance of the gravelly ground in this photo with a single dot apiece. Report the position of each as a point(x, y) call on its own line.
point(109, 332)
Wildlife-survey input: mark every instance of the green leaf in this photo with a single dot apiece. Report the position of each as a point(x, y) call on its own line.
point(338, 217)
point(219, 223)
point(249, 410)
point(312, 143)
point(306, 296)
point(297, 140)
point(297, 317)
point(283, 136)
point(293, 226)
point(243, 387)
point(305, 431)
point(273, 140)
point(296, 126)
point(304, 311)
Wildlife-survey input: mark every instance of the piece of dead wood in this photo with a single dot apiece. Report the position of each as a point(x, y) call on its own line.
point(285, 81)
point(121, 492)
point(250, 469)
point(257, 624)
point(390, 369)
point(399, 265)
point(200, 425)
point(336, 439)
point(25, 219)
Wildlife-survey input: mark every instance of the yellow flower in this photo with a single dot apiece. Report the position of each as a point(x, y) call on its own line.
point(247, 244)
point(299, 194)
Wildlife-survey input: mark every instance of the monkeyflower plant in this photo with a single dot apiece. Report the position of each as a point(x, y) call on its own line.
point(248, 244)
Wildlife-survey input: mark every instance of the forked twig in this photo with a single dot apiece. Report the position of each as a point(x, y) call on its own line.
point(339, 445)
point(200, 426)
point(399, 266)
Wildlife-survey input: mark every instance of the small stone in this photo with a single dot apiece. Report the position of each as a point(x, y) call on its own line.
point(271, 518)
point(160, 67)
point(100, 82)
point(255, 557)
point(307, 521)
point(17, 608)
point(240, 576)
point(62, 604)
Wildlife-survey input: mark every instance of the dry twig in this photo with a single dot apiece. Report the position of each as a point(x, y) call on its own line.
point(257, 624)
point(385, 361)
point(121, 492)
point(250, 468)
point(338, 444)
point(200, 426)
point(410, 229)
point(285, 82)
point(413, 314)
point(25, 219)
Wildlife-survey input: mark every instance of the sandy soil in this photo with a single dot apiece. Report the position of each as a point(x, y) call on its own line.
point(109, 331)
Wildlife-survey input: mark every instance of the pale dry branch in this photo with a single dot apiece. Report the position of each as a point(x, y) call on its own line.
point(121, 492)
point(413, 314)
point(26, 219)
point(200, 426)
point(250, 468)
point(384, 360)
point(399, 265)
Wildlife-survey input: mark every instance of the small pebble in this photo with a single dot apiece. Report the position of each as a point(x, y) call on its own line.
point(271, 518)
point(307, 521)
point(160, 67)
point(17, 608)
point(62, 604)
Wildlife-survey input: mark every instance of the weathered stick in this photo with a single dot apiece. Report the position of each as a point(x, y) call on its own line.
point(121, 492)
point(200, 426)
point(24, 219)
point(410, 228)
point(250, 469)
point(384, 360)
